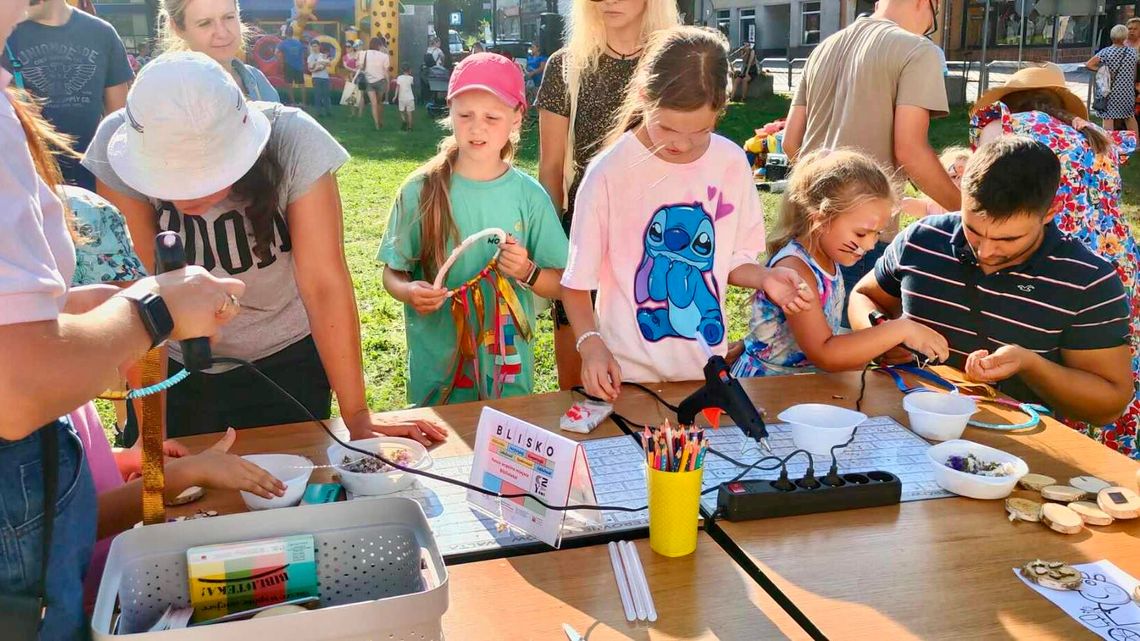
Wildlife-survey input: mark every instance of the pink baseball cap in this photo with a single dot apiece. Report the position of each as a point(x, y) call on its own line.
point(489, 72)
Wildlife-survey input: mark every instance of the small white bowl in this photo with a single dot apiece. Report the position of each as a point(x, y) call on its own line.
point(291, 469)
point(938, 417)
point(817, 427)
point(374, 484)
point(974, 486)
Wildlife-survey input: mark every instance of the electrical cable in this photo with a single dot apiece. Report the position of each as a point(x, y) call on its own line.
point(425, 474)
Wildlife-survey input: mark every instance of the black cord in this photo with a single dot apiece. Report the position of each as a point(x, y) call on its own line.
point(402, 468)
point(858, 408)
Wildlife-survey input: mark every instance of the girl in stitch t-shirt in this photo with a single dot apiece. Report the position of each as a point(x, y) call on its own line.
point(666, 218)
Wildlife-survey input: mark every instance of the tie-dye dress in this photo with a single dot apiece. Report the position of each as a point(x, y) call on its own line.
point(770, 349)
point(1087, 206)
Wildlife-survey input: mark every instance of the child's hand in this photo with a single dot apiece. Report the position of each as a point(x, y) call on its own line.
point(921, 338)
point(514, 261)
point(787, 289)
point(217, 468)
point(601, 374)
point(424, 297)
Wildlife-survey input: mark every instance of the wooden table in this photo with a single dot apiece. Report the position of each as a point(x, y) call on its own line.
point(702, 596)
point(937, 569)
point(920, 570)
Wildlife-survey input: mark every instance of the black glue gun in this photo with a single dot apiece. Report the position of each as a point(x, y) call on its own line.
point(170, 255)
point(721, 394)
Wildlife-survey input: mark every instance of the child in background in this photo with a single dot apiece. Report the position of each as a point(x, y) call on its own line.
point(319, 68)
point(470, 186)
point(667, 217)
point(954, 161)
point(405, 97)
point(836, 205)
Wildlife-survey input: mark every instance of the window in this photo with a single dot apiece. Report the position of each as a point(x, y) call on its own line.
point(809, 14)
point(131, 27)
point(748, 26)
point(1006, 25)
point(724, 21)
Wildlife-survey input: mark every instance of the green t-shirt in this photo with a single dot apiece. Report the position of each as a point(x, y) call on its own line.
point(515, 203)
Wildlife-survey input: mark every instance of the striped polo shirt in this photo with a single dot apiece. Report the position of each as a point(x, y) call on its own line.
point(1062, 297)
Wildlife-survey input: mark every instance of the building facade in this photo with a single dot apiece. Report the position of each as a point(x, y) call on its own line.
point(775, 27)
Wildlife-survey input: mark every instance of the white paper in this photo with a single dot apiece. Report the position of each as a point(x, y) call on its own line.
point(1103, 604)
point(512, 457)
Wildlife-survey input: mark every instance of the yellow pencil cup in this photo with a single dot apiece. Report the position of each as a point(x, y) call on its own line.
point(674, 509)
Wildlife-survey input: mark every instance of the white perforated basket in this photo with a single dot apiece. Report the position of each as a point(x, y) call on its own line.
point(368, 553)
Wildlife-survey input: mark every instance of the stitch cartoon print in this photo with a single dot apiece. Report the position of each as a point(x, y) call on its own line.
point(675, 288)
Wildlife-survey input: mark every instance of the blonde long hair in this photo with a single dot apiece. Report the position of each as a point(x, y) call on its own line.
point(585, 45)
point(436, 217)
point(682, 69)
point(43, 142)
point(172, 19)
point(824, 185)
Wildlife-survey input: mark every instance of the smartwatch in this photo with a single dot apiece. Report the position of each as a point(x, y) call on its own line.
point(155, 316)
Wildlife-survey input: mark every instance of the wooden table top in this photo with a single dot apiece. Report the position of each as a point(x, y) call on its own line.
point(919, 570)
point(938, 569)
point(705, 595)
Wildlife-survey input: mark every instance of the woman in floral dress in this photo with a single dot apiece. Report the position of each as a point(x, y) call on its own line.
point(1036, 103)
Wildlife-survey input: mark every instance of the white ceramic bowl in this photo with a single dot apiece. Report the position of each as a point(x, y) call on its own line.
point(938, 417)
point(291, 469)
point(373, 484)
point(817, 427)
point(973, 485)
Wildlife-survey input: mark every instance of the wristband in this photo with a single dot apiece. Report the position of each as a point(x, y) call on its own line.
point(583, 338)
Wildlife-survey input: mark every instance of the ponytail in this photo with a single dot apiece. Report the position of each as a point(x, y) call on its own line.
point(42, 139)
point(1049, 103)
point(437, 224)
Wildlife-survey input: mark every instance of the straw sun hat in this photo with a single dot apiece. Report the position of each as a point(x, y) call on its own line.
point(1049, 77)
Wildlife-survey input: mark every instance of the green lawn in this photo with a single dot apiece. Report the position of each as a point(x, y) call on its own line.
point(381, 161)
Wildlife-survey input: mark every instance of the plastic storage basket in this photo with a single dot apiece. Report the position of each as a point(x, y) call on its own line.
point(380, 573)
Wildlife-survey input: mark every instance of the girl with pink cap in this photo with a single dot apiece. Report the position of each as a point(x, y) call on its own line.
point(468, 187)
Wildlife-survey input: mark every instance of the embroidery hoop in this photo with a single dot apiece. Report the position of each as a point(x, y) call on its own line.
point(988, 395)
point(464, 246)
point(468, 300)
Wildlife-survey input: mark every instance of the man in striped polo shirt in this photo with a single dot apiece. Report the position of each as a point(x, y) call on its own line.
point(1022, 305)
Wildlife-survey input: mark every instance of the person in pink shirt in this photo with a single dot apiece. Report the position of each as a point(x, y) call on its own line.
point(667, 217)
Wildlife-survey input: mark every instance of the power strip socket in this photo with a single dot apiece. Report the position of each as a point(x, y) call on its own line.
point(761, 499)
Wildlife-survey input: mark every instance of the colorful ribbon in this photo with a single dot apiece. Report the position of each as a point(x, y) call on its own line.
point(988, 395)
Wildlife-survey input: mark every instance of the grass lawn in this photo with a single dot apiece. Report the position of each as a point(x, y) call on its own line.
point(381, 161)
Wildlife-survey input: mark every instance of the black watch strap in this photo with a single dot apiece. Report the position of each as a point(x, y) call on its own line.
point(155, 316)
point(532, 278)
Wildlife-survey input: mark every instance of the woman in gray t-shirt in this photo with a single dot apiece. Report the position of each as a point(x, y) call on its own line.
point(250, 188)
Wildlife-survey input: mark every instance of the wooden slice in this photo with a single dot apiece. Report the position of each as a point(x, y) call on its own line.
point(1061, 519)
point(1036, 481)
point(1063, 493)
point(1090, 484)
point(1052, 574)
point(189, 495)
point(1023, 509)
point(1090, 513)
point(1119, 502)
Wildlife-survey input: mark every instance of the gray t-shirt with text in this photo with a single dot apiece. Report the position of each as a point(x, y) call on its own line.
point(221, 240)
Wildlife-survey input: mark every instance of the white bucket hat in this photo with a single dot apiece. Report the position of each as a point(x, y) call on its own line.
point(189, 133)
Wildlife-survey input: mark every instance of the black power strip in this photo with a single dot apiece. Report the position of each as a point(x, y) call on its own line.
point(762, 499)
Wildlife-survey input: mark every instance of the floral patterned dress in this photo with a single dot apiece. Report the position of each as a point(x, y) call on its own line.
point(1087, 207)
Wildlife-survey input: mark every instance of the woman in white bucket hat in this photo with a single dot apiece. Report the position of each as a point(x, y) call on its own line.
point(250, 188)
point(55, 358)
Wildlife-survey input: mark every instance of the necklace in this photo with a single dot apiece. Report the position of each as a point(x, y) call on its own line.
point(624, 56)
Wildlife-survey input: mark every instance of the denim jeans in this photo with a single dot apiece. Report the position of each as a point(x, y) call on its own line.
point(853, 274)
point(21, 529)
point(321, 99)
